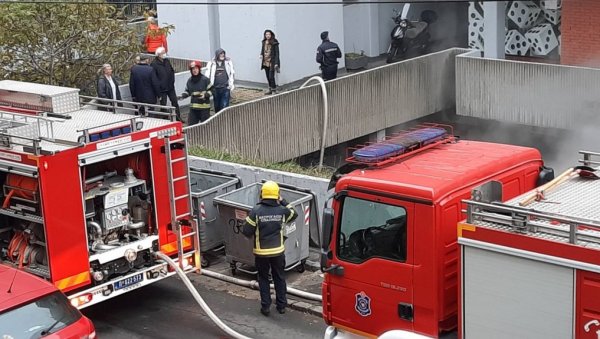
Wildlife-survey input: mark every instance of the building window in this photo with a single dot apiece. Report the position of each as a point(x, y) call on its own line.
point(371, 229)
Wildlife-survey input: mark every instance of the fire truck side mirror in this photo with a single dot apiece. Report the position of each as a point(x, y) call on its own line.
point(326, 254)
point(327, 228)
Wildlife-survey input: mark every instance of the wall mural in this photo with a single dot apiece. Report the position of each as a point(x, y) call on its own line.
point(532, 28)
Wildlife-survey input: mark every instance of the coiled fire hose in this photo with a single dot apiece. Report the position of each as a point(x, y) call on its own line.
point(199, 299)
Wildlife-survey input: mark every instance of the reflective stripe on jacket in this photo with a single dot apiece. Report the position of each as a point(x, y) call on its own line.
point(199, 90)
point(265, 222)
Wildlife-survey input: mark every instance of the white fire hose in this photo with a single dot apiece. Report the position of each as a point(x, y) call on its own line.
point(254, 285)
point(199, 299)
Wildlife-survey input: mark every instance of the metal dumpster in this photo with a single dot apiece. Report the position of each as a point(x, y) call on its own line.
point(205, 185)
point(234, 207)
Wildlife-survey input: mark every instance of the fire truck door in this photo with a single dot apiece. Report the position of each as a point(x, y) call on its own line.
point(374, 245)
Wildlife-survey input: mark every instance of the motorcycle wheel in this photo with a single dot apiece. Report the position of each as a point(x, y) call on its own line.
point(392, 55)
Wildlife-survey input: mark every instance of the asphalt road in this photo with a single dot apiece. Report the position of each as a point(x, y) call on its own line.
point(167, 310)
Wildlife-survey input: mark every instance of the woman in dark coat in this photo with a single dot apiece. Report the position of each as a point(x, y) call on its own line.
point(108, 87)
point(269, 55)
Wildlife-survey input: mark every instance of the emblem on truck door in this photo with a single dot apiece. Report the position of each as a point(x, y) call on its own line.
point(363, 304)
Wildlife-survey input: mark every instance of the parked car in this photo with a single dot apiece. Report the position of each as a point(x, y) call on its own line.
point(31, 307)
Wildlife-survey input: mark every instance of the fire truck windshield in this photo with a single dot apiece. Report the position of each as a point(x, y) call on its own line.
point(371, 229)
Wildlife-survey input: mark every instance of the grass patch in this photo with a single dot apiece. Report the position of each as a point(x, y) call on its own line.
point(288, 166)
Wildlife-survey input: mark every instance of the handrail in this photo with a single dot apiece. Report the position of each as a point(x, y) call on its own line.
point(7, 140)
point(531, 222)
point(325, 116)
point(113, 104)
point(587, 158)
point(24, 119)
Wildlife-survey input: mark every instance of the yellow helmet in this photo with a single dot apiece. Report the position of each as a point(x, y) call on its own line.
point(269, 190)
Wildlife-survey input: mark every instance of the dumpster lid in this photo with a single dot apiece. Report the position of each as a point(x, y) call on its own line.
point(248, 196)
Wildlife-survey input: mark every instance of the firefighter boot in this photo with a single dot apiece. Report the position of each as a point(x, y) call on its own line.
point(265, 311)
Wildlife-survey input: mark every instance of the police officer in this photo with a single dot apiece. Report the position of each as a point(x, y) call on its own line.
point(327, 54)
point(265, 222)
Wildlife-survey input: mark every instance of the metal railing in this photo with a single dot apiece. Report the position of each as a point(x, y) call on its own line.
point(529, 93)
point(288, 125)
point(179, 64)
point(575, 231)
point(128, 107)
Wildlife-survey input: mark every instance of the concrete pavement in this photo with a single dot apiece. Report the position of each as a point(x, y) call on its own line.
point(167, 310)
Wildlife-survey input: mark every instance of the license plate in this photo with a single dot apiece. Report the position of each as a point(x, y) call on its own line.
point(129, 281)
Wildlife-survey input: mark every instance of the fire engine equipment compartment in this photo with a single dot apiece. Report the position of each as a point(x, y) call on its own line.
point(205, 186)
point(538, 266)
point(89, 196)
point(234, 207)
point(22, 238)
point(117, 206)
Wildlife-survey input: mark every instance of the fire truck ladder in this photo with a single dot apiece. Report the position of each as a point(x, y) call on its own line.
point(181, 218)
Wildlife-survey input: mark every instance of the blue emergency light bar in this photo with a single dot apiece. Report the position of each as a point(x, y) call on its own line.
point(402, 144)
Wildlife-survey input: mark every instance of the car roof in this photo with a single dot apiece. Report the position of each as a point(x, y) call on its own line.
point(25, 287)
point(434, 173)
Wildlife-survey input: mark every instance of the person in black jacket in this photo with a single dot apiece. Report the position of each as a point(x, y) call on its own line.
point(269, 55)
point(266, 223)
point(166, 79)
point(327, 54)
point(143, 84)
point(108, 87)
point(198, 88)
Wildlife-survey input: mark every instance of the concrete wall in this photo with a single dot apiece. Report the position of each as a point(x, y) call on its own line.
point(361, 24)
point(251, 174)
point(298, 30)
point(190, 39)
point(240, 31)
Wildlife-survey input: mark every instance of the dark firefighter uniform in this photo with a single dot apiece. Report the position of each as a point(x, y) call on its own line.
point(327, 54)
point(266, 223)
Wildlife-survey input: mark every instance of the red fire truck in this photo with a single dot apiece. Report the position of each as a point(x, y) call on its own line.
point(89, 195)
point(390, 242)
point(530, 267)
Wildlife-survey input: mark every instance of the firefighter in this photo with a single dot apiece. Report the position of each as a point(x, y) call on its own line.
point(266, 223)
point(327, 54)
point(198, 87)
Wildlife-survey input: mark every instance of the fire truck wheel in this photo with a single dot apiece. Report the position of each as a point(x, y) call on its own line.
point(204, 262)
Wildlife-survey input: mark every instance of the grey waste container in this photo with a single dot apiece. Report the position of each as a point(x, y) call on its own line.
point(233, 209)
point(205, 185)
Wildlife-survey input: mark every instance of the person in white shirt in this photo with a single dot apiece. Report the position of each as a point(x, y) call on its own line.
point(108, 87)
point(221, 74)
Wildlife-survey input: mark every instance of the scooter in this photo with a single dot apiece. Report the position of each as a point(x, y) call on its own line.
point(410, 38)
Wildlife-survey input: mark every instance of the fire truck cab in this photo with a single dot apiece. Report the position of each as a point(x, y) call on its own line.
point(531, 268)
point(390, 242)
point(89, 195)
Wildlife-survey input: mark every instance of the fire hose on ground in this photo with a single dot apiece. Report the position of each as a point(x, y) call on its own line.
point(246, 283)
point(254, 285)
point(199, 299)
